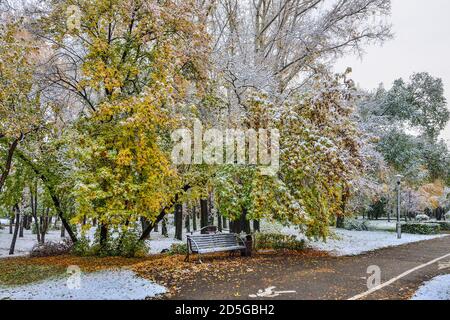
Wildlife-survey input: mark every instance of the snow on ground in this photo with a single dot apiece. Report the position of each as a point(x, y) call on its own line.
point(25, 244)
point(350, 243)
point(381, 225)
point(436, 289)
point(104, 285)
point(158, 243)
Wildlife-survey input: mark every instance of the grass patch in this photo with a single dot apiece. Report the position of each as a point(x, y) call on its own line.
point(24, 270)
point(15, 274)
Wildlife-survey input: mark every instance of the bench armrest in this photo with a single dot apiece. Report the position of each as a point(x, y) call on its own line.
point(240, 240)
point(190, 241)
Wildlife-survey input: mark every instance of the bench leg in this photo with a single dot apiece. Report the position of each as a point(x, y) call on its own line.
point(187, 257)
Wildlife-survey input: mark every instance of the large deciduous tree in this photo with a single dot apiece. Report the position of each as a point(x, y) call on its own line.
point(20, 107)
point(131, 65)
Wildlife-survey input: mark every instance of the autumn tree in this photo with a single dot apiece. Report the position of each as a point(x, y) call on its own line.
point(129, 64)
point(20, 107)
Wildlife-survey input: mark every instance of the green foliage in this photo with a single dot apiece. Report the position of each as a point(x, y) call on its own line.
point(421, 228)
point(82, 248)
point(356, 225)
point(420, 102)
point(125, 245)
point(178, 248)
point(402, 151)
point(311, 183)
point(378, 209)
point(445, 225)
point(278, 241)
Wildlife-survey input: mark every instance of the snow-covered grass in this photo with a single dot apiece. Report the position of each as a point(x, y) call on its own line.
point(158, 243)
point(104, 285)
point(350, 243)
point(436, 289)
point(25, 244)
point(381, 225)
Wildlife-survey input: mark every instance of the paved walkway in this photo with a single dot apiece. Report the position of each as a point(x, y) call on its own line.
point(327, 277)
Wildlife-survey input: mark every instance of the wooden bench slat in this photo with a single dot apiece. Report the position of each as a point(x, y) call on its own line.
point(210, 243)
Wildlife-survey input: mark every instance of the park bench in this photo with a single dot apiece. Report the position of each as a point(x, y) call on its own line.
point(212, 243)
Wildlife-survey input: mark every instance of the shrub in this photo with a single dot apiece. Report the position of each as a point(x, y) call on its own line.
point(421, 228)
point(422, 217)
point(129, 246)
point(125, 245)
point(357, 225)
point(51, 249)
point(445, 225)
point(278, 241)
point(178, 248)
point(82, 247)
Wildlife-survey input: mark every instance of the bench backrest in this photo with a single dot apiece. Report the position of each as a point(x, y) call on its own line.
point(209, 241)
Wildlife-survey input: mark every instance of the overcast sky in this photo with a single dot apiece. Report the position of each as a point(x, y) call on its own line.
point(421, 43)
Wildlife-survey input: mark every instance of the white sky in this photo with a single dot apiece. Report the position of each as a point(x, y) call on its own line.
point(421, 43)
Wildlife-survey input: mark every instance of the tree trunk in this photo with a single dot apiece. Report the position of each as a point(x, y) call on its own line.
point(159, 218)
point(340, 222)
point(219, 222)
point(9, 158)
point(94, 222)
point(178, 221)
point(194, 218)
point(187, 223)
point(103, 234)
point(245, 224)
point(44, 224)
point(203, 213)
point(37, 228)
point(33, 199)
point(145, 223)
point(63, 232)
point(16, 231)
point(29, 222)
point(164, 228)
point(11, 222)
point(211, 209)
point(149, 229)
point(236, 226)
point(50, 188)
point(256, 226)
point(22, 222)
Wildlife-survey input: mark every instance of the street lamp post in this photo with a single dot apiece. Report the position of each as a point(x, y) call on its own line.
point(399, 225)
